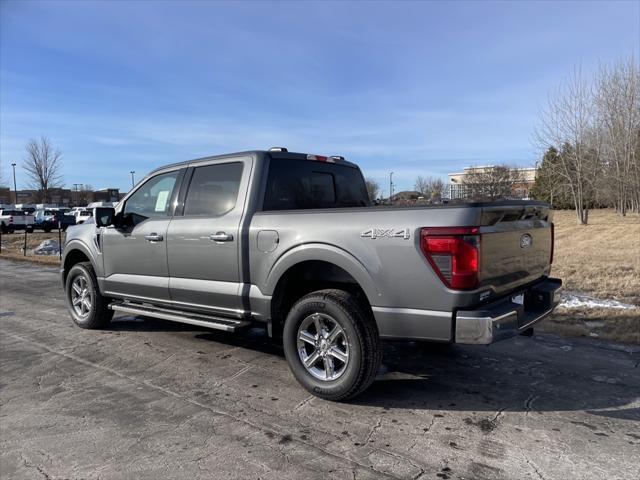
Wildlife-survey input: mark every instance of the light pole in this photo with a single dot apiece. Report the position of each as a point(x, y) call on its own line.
point(15, 189)
point(390, 187)
point(76, 185)
point(132, 172)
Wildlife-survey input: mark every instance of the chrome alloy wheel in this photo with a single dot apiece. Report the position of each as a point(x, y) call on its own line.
point(323, 347)
point(81, 296)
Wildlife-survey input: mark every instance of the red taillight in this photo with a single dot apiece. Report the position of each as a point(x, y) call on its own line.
point(553, 236)
point(454, 254)
point(10, 219)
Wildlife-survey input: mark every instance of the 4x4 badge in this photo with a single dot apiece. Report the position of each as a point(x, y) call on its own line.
point(374, 233)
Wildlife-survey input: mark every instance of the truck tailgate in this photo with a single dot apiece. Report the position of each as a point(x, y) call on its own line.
point(516, 246)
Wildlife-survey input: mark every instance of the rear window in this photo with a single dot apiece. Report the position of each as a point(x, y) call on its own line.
point(303, 184)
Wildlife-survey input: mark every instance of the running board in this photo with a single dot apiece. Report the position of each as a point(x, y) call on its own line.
point(208, 321)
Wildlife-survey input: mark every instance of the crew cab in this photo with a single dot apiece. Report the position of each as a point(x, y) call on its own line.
point(290, 241)
point(12, 220)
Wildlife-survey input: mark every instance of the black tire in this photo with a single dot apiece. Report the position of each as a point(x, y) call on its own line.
point(360, 337)
point(4, 228)
point(47, 229)
point(98, 315)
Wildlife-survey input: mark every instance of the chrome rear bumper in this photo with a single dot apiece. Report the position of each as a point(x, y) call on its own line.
point(504, 319)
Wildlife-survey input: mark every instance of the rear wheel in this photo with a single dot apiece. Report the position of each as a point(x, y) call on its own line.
point(88, 308)
point(331, 344)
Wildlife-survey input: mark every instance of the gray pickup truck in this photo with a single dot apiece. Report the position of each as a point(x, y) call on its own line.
point(290, 241)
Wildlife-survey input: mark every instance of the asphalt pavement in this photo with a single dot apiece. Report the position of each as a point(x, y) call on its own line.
point(151, 399)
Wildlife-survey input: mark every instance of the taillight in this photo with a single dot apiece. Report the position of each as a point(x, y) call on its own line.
point(553, 236)
point(10, 219)
point(454, 254)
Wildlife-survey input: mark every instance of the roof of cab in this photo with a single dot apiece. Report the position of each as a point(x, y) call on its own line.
point(257, 154)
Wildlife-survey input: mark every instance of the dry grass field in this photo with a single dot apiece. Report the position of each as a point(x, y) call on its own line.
point(601, 260)
point(12, 244)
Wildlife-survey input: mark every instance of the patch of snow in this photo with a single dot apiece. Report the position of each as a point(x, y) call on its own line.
point(575, 300)
point(48, 247)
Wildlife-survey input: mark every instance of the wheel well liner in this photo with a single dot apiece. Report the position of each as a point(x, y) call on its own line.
point(306, 277)
point(74, 256)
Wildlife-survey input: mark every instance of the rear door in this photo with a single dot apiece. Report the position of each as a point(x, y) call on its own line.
point(135, 253)
point(203, 243)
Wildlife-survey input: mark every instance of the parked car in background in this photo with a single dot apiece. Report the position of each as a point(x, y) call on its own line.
point(12, 220)
point(49, 219)
point(81, 215)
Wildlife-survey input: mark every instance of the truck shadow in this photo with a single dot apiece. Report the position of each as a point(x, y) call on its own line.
point(528, 375)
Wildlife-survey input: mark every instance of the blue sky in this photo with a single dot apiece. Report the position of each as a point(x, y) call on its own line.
point(418, 88)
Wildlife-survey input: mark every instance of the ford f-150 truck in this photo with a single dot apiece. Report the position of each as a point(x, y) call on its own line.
point(12, 220)
point(290, 241)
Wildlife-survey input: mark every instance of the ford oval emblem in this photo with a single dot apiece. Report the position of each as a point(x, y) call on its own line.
point(526, 240)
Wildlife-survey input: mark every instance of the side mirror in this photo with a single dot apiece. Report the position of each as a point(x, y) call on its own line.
point(104, 216)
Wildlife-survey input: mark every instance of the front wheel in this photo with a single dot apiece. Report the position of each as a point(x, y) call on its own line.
point(332, 345)
point(88, 308)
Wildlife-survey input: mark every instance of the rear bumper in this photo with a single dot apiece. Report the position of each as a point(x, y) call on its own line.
point(505, 318)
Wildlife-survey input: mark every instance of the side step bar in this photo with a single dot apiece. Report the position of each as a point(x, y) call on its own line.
point(208, 321)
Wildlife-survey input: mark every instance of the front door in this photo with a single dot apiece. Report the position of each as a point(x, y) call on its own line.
point(203, 243)
point(135, 252)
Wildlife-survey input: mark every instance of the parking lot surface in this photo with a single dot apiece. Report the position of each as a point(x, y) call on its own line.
point(151, 399)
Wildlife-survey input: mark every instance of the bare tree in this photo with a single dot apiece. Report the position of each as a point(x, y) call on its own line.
point(430, 188)
point(568, 122)
point(3, 183)
point(437, 188)
point(43, 165)
point(492, 183)
point(423, 186)
point(373, 188)
point(617, 100)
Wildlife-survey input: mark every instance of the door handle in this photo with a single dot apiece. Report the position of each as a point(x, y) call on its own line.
point(153, 237)
point(221, 237)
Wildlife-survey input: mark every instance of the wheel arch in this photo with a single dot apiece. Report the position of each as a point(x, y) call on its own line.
point(315, 267)
point(76, 252)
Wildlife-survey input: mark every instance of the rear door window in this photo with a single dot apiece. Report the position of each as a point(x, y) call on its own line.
point(213, 189)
